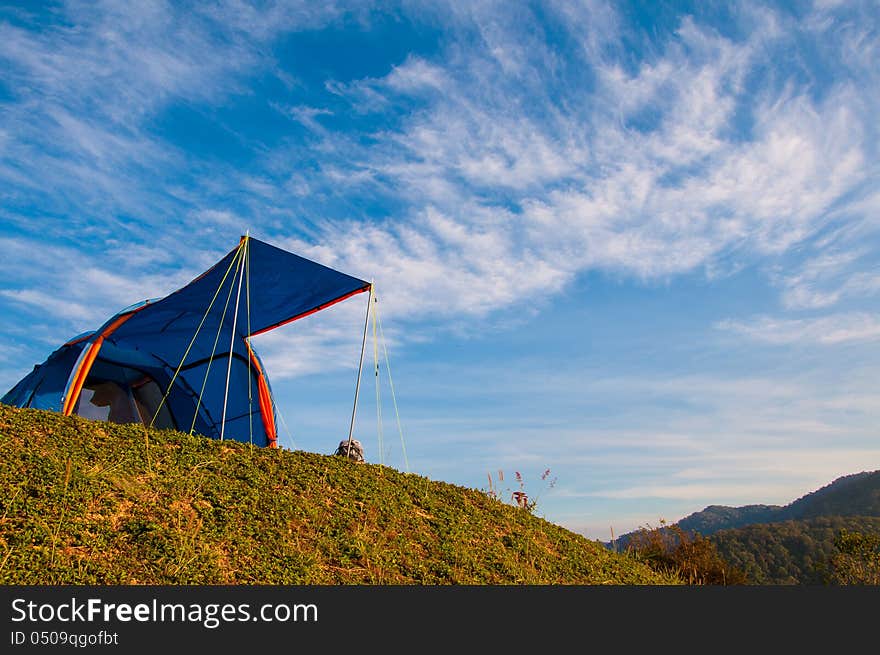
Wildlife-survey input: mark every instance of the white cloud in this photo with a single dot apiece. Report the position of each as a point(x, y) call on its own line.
point(801, 289)
point(828, 330)
point(64, 310)
point(416, 75)
point(314, 345)
point(73, 291)
point(770, 476)
point(828, 278)
point(554, 177)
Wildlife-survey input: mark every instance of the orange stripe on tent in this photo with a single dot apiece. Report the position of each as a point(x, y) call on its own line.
point(265, 398)
point(86, 365)
point(266, 412)
point(80, 377)
point(85, 337)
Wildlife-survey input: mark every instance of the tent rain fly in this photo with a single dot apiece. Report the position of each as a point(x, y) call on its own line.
point(185, 361)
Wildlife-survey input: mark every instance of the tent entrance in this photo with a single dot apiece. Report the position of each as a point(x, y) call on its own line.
point(123, 395)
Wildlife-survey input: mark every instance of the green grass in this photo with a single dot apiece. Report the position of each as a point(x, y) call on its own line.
point(84, 502)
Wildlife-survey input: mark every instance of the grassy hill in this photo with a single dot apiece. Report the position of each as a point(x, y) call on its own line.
point(83, 502)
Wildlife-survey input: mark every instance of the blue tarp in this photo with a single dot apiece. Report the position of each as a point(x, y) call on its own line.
point(149, 341)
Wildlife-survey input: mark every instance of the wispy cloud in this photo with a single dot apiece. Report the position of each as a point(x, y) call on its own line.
point(771, 472)
point(643, 173)
point(832, 329)
point(307, 346)
point(829, 278)
point(72, 292)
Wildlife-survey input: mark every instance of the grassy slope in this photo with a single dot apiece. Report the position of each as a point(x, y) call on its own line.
point(81, 502)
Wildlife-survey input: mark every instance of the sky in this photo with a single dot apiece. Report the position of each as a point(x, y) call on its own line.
point(634, 244)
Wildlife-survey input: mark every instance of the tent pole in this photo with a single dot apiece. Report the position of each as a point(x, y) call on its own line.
point(357, 385)
point(232, 340)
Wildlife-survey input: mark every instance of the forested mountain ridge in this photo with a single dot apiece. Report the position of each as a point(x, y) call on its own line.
point(790, 544)
point(851, 495)
point(789, 552)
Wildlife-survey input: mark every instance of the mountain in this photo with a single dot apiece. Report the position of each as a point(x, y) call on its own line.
point(855, 495)
point(792, 544)
point(851, 495)
point(85, 502)
point(720, 517)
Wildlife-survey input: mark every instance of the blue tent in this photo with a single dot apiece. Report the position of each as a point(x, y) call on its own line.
point(185, 361)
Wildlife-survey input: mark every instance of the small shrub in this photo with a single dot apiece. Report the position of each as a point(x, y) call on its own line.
point(690, 555)
point(519, 496)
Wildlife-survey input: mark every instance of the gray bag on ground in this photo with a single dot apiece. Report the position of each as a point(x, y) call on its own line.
point(355, 451)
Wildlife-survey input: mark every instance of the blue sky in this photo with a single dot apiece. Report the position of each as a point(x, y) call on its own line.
point(632, 243)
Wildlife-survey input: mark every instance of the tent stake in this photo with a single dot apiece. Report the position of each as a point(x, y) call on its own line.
point(357, 385)
point(232, 340)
